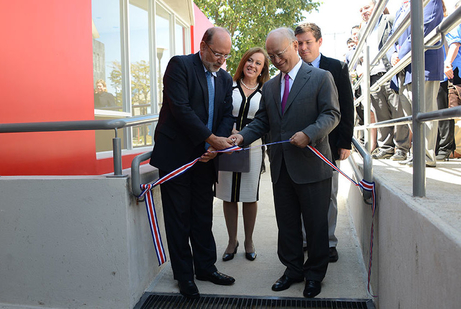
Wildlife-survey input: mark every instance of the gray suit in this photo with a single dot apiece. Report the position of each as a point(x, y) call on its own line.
point(301, 181)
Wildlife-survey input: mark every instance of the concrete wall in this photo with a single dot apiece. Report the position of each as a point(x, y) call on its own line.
point(415, 255)
point(74, 242)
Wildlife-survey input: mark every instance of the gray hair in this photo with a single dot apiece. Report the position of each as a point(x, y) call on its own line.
point(287, 32)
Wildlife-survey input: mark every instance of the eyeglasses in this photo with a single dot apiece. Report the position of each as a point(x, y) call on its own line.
point(218, 55)
point(280, 54)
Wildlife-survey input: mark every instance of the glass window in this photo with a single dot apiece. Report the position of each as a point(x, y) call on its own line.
point(180, 39)
point(106, 55)
point(140, 70)
point(163, 34)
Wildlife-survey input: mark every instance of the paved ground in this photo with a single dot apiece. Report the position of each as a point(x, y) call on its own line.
point(345, 278)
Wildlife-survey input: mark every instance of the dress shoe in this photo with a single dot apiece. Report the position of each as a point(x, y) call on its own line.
point(251, 256)
point(229, 256)
point(284, 283)
point(188, 289)
point(442, 156)
point(217, 278)
point(333, 255)
point(312, 288)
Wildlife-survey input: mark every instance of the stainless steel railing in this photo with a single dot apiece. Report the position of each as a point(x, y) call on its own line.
point(82, 125)
point(419, 45)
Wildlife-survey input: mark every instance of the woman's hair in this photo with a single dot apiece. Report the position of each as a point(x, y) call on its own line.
point(264, 76)
point(103, 83)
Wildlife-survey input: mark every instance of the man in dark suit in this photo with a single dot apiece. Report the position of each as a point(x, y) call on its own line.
point(309, 38)
point(195, 118)
point(301, 105)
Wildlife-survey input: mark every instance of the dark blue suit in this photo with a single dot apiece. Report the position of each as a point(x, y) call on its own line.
point(180, 138)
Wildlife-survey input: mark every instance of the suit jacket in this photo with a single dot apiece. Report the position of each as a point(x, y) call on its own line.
point(312, 107)
point(433, 70)
point(341, 136)
point(182, 126)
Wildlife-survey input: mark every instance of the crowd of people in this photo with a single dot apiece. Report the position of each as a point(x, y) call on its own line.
point(309, 102)
point(394, 98)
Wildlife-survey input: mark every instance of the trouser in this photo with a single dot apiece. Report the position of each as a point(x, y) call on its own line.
point(386, 106)
point(431, 89)
point(446, 130)
point(310, 202)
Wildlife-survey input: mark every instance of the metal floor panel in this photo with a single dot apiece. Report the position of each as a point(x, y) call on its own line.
point(177, 301)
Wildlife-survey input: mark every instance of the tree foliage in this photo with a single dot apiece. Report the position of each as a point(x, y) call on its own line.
point(249, 21)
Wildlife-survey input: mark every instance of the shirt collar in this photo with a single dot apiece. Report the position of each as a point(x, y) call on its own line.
point(294, 71)
point(316, 62)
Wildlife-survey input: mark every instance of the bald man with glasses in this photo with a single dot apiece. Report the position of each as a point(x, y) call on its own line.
point(300, 105)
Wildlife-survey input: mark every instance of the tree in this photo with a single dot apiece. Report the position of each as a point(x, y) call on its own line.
point(250, 21)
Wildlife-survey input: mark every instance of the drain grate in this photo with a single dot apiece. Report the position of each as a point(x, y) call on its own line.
point(177, 301)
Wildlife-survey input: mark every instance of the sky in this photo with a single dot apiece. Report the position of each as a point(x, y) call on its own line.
point(336, 18)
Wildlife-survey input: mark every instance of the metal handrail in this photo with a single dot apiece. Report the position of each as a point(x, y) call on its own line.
point(432, 38)
point(135, 174)
point(82, 125)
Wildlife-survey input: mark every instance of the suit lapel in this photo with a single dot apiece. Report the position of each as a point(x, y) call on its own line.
point(200, 73)
point(278, 93)
point(301, 79)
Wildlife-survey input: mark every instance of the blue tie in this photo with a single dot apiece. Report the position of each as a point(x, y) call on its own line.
point(210, 103)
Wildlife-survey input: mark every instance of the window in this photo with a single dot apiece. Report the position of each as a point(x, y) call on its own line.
point(163, 34)
point(140, 70)
point(107, 55)
point(129, 61)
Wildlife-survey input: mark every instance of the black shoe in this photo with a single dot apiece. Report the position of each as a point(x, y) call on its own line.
point(442, 156)
point(251, 256)
point(229, 256)
point(188, 289)
point(217, 278)
point(284, 283)
point(333, 255)
point(312, 288)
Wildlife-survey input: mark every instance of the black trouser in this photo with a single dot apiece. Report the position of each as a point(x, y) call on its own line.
point(446, 133)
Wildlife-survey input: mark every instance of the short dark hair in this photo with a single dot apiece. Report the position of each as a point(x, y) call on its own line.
point(350, 40)
point(309, 27)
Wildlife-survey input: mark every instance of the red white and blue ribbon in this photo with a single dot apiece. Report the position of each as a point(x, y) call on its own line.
point(147, 192)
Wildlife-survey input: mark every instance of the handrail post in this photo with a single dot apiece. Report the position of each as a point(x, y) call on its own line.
point(117, 154)
point(366, 95)
point(418, 100)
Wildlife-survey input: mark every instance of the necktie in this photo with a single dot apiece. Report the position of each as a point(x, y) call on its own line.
point(286, 92)
point(210, 103)
point(309, 63)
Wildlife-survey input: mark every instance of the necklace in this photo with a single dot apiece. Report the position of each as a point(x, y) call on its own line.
point(249, 88)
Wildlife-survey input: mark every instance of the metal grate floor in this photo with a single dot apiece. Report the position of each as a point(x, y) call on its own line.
point(174, 301)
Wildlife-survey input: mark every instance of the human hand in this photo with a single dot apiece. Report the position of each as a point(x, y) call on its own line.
point(236, 139)
point(448, 70)
point(300, 139)
point(218, 142)
point(208, 155)
point(395, 59)
point(344, 153)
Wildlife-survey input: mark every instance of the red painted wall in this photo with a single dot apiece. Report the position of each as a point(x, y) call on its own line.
point(47, 69)
point(46, 65)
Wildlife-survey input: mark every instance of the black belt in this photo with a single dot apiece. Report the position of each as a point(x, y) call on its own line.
point(380, 74)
